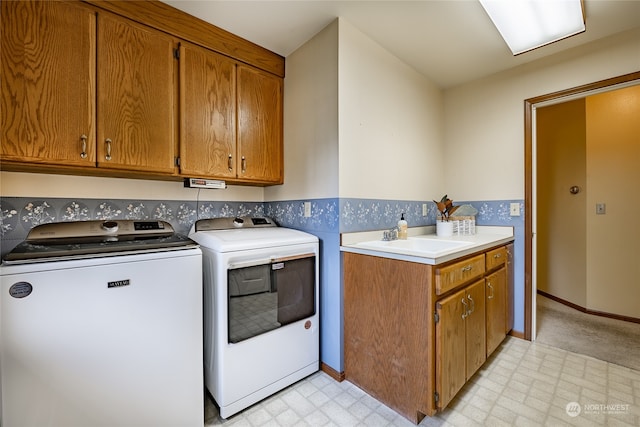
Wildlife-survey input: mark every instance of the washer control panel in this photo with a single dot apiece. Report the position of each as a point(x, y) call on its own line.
point(231, 223)
point(98, 228)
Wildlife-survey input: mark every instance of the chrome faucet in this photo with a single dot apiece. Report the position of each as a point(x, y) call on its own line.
point(391, 234)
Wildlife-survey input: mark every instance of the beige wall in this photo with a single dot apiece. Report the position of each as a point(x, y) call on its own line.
point(311, 120)
point(561, 160)
point(484, 119)
point(613, 170)
point(390, 124)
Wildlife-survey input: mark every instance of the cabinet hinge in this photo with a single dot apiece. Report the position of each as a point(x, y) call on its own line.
point(178, 161)
point(436, 397)
point(436, 317)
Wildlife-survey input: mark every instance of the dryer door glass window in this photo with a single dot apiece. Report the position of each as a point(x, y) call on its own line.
point(266, 297)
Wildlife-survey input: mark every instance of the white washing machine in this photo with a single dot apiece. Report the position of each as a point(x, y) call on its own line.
point(101, 325)
point(261, 329)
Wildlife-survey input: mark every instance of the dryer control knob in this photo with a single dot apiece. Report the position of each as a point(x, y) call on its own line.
point(110, 226)
point(238, 222)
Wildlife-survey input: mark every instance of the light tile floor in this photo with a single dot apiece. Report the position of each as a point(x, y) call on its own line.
point(522, 384)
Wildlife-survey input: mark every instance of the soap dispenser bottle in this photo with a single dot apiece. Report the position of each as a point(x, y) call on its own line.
point(402, 228)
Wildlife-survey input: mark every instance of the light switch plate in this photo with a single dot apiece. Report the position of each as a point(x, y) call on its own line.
point(601, 208)
point(307, 209)
point(514, 209)
point(424, 209)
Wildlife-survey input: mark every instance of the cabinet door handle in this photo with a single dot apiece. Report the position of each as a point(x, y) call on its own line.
point(466, 308)
point(83, 153)
point(108, 144)
point(491, 288)
point(244, 164)
point(230, 163)
point(496, 256)
point(473, 304)
point(467, 268)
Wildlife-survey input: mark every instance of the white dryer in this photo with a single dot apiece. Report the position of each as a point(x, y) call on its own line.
point(261, 308)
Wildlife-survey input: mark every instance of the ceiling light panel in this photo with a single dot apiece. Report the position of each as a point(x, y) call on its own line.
point(529, 24)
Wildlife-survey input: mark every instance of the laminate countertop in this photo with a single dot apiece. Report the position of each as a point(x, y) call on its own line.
point(424, 246)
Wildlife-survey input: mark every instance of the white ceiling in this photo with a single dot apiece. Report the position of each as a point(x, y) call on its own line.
point(449, 41)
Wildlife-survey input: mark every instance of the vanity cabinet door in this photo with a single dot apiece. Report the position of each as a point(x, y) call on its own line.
point(136, 97)
point(509, 290)
point(47, 113)
point(450, 346)
point(460, 340)
point(475, 328)
point(496, 290)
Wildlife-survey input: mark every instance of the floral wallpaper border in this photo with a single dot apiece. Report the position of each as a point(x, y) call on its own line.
point(331, 215)
point(18, 215)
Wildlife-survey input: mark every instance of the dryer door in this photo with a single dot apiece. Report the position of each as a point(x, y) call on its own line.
point(268, 296)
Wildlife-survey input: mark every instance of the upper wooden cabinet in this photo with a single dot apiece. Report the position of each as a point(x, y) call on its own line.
point(231, 119)
point(92, 88)
point(136, 97)
point(259, 126)
point(48, 83)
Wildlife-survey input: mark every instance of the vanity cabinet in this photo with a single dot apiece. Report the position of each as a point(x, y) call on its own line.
point(48, 83)
point(415, 333)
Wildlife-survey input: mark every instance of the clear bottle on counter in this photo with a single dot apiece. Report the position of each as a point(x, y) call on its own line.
point(402, 228)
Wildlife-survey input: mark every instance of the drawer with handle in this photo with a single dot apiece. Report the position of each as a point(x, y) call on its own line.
point(496, 257)
point(453, 275)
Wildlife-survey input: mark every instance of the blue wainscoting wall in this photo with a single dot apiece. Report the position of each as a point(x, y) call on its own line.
point(329, 217)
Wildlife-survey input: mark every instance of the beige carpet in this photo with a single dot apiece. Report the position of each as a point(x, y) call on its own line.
point(611, 340)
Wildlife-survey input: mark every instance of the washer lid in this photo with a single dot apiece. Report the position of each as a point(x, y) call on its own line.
point(90, 239)
point(250, 238)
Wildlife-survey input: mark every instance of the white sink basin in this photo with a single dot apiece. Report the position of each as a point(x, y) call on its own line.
point(416, 246)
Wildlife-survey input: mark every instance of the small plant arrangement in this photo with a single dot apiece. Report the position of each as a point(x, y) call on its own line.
point(446, 208)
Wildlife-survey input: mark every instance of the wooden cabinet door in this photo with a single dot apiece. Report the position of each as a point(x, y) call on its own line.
point(48, 83)
point(509, 290)
point(259, 126)
point(496, 289)
point(450, 346)
point(207, 113)
point(136, 97)
point(475, 328)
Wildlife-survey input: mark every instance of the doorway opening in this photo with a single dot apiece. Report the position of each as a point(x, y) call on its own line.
point(530, 178)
